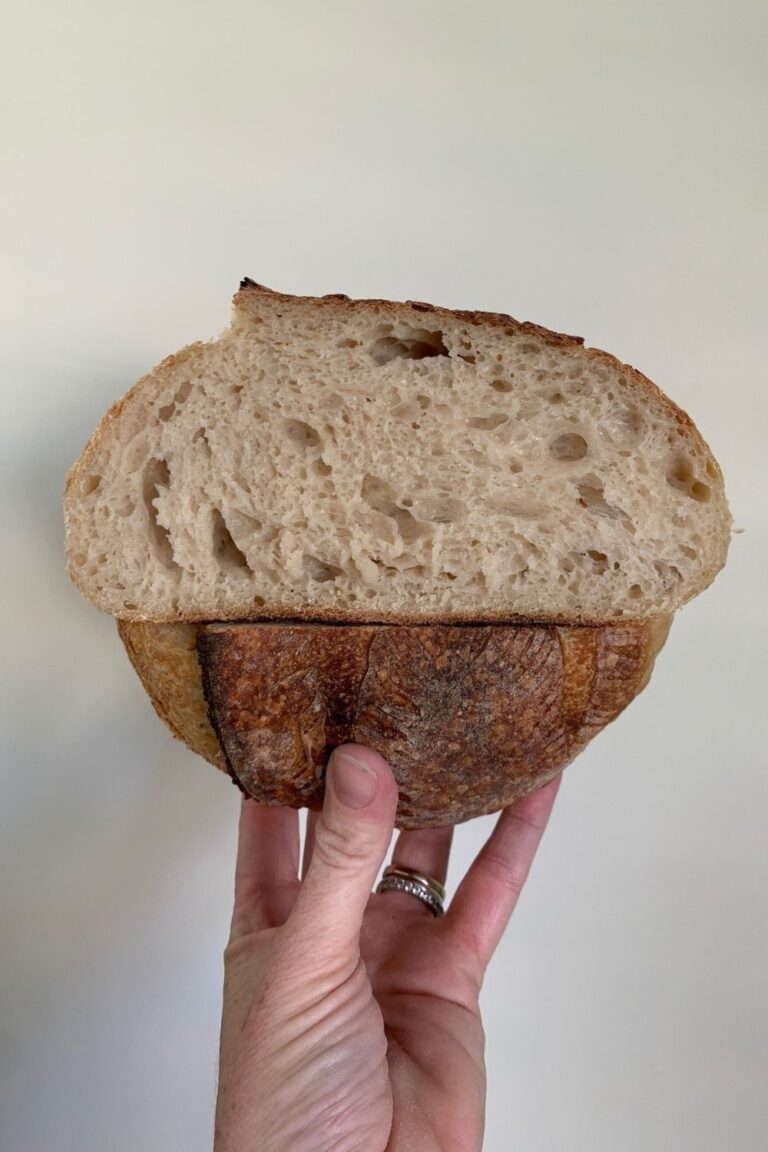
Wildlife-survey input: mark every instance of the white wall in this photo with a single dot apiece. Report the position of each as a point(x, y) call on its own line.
point(599, 167)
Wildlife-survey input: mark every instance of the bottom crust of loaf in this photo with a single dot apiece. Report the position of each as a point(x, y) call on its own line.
point(469, 717)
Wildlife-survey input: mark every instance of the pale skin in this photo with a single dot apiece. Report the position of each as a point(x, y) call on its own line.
point(351, 1020)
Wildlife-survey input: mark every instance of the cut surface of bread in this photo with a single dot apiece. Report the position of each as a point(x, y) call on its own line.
point(372, 461)
point(468, 717)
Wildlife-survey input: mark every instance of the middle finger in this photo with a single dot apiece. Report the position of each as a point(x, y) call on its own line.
point(426, 850)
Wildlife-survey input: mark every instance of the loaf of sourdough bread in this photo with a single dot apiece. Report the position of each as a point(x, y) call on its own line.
point(450, 535)
point(370, 461)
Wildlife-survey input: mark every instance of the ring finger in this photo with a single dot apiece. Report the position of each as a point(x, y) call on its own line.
point(425, 850)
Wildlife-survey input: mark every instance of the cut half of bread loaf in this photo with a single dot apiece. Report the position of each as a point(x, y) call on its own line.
point(359, 461)
point(469, 718)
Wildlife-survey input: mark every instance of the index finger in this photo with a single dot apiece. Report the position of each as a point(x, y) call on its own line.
point(266, 872)
point(486, 897)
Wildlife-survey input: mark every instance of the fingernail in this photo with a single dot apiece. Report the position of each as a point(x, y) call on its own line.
point(354, 783)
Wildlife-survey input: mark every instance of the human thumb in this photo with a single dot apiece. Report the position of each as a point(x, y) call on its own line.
point(352, 836)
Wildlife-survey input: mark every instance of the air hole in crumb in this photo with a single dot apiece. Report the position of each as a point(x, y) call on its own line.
point(347, 342)
point(555, 398)
point(635, 592)
point(441, 509)
point(568, 447)
point(515, 466)
point(301, 433)
point(691, 553)
point(155, 483)
point(599, 559)
point(182, 393)
point(469, 358)
point(225, 550)
point(680, 475)
point(592, 497)
point(410, 344)
point(502, 385)
point(711, 470)
point(320, 570)
point(527, 349)
point(321, 468)
point(379, 495)
point(669, 573)
point(89, 484)
point(201, 437)
point(488, 423)
point(235, 389)
point(409, 527)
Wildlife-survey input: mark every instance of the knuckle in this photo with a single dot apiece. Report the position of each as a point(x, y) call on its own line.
point(338, 848)
point(503, 871)
point(526, 822)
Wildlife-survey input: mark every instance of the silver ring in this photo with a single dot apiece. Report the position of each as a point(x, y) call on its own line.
point(413, 883)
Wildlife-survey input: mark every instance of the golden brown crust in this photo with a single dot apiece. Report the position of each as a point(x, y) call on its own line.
point(469, 718)
point(530, 697)
point(165, 659)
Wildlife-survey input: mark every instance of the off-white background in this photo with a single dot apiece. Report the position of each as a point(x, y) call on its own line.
point(599, 167)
